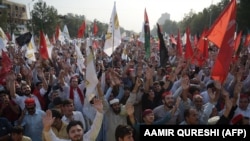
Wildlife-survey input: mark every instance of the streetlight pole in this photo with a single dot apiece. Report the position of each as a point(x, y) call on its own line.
point(31, 17)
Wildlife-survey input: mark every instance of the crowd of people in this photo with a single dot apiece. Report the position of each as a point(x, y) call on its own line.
point(45, 100)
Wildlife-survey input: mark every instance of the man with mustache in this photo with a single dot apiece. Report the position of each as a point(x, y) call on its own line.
point(75, 128)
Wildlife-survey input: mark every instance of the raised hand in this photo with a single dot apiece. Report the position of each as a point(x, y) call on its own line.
point(130, 109)
point(48, 120)
point(98, 105)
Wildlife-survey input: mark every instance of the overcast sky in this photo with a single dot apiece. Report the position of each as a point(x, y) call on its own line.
point(130, 12)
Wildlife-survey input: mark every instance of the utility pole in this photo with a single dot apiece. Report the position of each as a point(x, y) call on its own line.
point(30, 16)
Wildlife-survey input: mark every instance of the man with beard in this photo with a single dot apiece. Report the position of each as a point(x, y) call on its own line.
point(31, 120)
point(148, 119)
point(117, 113)
point(169, 106)
point(75, 128)
point(25, 90)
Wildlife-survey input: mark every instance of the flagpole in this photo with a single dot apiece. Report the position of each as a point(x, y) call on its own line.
point(113, 39)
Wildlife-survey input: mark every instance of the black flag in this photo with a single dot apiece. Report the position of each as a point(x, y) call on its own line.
point(24, 39)
point(163, 49)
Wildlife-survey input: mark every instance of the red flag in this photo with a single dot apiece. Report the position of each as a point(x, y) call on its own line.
point(195, 40)
point(57, 32)
point(178, 45)
point(81, 30)
point(247, 40)
point(218, 30)
point(43, 46)
point(202, 49)
point(6, 66)
point(95, 28)
point(189, 50)
point(222, 34)
point(237, 41)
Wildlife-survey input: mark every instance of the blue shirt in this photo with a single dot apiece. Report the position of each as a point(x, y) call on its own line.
point(33, 125)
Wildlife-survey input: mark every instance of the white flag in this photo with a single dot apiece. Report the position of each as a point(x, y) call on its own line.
point(2, 45)
point(113, 36)
point(80, 59)
point(49, 46)
point(66, 32)
point(125, 53)
point(30, 50)
point(142, 38)
point(4, 40)
point(13, 38)
point(91, 76)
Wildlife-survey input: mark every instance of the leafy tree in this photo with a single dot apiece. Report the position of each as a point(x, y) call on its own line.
point(243, 13)
point(44, 17)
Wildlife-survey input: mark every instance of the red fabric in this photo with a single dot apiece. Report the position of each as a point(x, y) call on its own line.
point(237, 41)
point(146, 112)
point(238, 118)
point(6, 66)
point(95, 28)
point(222, 34)
point(71, 94)
point(247, 40)
point(189, 50)
point(41, 99)
point(219, 29)
point(179, 46)
point(81, 30)
point(195, 40)
point(57, 32)
point(43, 46)
point(8, 112)
point(201, 53)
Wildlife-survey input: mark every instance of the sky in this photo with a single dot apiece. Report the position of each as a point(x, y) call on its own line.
point(130, 12)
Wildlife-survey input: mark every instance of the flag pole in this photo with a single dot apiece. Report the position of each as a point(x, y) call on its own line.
point(113, 39)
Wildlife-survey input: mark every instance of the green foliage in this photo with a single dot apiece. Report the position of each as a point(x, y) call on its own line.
point(44, 18)
point(199, 21)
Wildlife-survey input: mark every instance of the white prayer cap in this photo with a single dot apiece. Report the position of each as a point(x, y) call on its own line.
point(115, 100)
point(213, 120)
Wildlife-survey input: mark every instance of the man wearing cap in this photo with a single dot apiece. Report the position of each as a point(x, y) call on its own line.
point(169, 106)
point(25, 89)
point(147, 116)
point(31, 120)
point(116, 114)
point(75, 128)
point(243, 107)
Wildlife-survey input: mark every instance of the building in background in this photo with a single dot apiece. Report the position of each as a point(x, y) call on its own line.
point(163, 18)
point(15, 16)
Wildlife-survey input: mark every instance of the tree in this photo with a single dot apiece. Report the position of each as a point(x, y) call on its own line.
point(243, 13)
point(44, 17)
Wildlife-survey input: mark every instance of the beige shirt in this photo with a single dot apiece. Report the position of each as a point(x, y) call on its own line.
point(62, 133)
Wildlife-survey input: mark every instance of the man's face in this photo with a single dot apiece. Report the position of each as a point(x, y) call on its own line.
point(116, 108)
point(31, 108)
point(76, 133)
point(157, 88)
point(74, 82)
point(26, 90)
point(169, 101)
point(193, 118)
point(68, 109)
point(149, 118)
